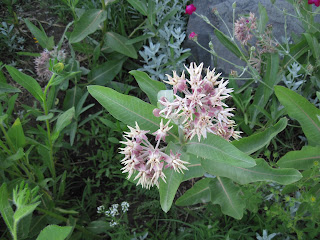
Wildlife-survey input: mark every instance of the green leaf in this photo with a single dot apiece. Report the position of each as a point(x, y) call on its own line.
point(64, 119)
point(227, 195)
point(119, 44)
point(139, 39)
point(261, 172)
point(23, 211)
point(313, 44)
point(173, 179)
point(16, 134)
point(88, 23)
point(149, 86)
point(5, 208)
point(263, 18)
point(59, 79)
point(6, 88)
point(199, 193)
point(129, 109)
point(45, 117)
point(195, 168)
point(40, 35)
point(54, 232)
point(304, 159)
point(99, 226)
point(62, 185)
point(228, 43)
point(257, 141)
point(140, 6)
point(303, 111)
point(27, 82)
point(265, 89)
point(296, 51)
point(106, 72)
point(218, 149)
point(18, 155)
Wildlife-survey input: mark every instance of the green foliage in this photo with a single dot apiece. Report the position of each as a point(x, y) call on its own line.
point(66, 148)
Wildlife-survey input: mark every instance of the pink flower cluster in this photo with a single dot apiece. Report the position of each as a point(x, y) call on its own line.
point(142, 156)
point(42, 63)
point(199, 106)
point(243, 26)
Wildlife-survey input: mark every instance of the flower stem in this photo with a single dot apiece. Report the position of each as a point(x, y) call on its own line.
point(46, 111)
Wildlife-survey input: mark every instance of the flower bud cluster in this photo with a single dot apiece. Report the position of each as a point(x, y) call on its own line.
point(147, 160)
point(243, 26)
point(199, 107)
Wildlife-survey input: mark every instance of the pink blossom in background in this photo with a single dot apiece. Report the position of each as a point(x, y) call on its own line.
point(243, 27)
point(315, 2)
point(192, 35)
point(190, 9)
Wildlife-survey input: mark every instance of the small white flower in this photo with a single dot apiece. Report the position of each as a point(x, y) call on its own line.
point(125, 206)
point(100, 209)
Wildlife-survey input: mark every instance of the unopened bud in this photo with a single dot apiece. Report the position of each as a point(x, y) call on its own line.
point(58, 67)
point(215, 11)
point(252, 49)
point(234, 5)
point(211, 45)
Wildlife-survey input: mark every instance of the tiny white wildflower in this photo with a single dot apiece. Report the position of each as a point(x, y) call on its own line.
point(125, 206)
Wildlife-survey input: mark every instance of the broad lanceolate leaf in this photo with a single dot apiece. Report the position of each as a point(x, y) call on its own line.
point(40, 35)
point(54, 232)
point(217, 149)
point(199, 193)
point(106, 72)
point(173, 179)
point(149, 86)
point(129, 110)
point(304, 159)
point(261, 172)
point(263, 18)
point(27, 82)
point(88, 23)
point(195, 168)
point(5, 208)
point(313, 44)
point(119, 44)
point(265, 89)
point(302, 110)
point(227, 43)
point(64, 119)
point(226, 194)
point(24, 211)
point(257, 141)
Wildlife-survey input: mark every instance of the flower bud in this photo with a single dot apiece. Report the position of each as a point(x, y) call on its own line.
point(234, 5)
point(211, 45)
point(58, 67)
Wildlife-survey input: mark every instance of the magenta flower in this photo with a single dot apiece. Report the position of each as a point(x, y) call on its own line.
point(193, 35)
point(315, 2)
point(190, 9)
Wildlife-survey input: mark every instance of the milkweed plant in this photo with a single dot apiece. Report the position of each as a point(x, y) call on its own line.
point(186, 133)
